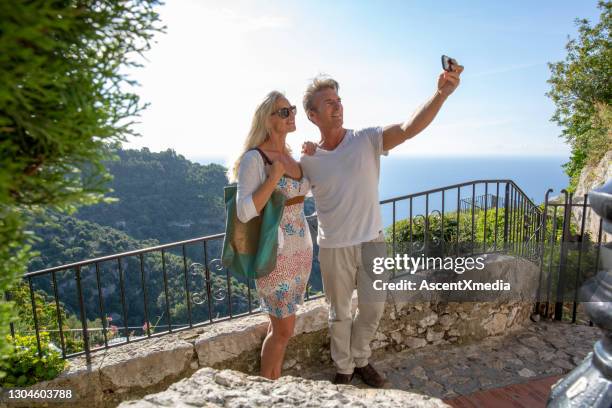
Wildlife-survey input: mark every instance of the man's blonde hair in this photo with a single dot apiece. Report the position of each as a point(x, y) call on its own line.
point(318, 83)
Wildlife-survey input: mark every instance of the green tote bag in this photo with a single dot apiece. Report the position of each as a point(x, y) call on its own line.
point(249, 249)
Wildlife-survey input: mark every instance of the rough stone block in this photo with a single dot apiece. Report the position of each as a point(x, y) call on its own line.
point(211, 388)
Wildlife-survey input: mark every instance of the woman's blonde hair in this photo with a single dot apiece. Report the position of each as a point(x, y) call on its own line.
point(259, 132)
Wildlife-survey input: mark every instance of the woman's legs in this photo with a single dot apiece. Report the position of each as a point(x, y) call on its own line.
point(274, 345)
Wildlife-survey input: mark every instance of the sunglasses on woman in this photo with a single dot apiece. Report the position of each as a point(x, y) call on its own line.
point(283, 113)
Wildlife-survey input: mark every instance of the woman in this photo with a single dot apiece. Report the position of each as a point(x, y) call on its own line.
point(266, 165)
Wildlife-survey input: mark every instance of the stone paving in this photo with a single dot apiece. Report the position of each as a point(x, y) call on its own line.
point(539, 350)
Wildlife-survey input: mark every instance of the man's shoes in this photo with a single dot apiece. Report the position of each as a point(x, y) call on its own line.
point(343, 378)
point(370, 376)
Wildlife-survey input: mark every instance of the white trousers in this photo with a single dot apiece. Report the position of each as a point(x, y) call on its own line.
point(343, 272)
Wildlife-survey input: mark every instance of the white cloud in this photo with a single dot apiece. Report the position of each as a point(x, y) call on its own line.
point(244, 23)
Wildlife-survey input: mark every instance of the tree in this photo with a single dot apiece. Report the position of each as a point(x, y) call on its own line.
point(64, 103)
point(582, 90)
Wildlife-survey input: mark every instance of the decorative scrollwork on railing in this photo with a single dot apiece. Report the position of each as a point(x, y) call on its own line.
point(196, 269)
point(200, 297)
point(415, 244)
point(216, 265)
point(220, 293)
point(435, 240)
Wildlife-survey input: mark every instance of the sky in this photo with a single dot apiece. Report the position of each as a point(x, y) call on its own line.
point(217, 60)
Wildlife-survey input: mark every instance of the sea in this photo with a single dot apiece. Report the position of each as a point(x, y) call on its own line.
point(400, 175)
point(403, 175)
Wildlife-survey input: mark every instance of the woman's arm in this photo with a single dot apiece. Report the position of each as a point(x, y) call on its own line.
point(254, 188)
point(263, 193)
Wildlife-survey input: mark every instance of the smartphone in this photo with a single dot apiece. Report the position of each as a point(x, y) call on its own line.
point(447, 63)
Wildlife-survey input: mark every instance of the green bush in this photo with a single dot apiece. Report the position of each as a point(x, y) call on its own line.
point(446, 238)
point(581, 90)
point(25, 366)
point(65, 103)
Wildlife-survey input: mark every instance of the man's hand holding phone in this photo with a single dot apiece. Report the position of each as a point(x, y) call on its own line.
point(449, 80)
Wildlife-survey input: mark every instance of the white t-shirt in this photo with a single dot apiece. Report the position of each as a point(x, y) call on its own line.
point(344, 182)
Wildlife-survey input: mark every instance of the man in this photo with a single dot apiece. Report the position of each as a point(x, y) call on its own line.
point(344, 172)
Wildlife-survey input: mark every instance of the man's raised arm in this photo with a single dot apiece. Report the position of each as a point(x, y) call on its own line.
point(394, 135)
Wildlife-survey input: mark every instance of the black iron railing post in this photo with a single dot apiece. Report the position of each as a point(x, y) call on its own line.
point(208, 283)
point(457, 221)
point(166, 296)
point(563, 256)
point(506, 215)
point(35, 316)
point(101, 305)
point(187, 294)
point(484, 229)
point(496, 213)
point(553, 244)
point(229, 292)
point(542, 244)
point(83, 315)
point(249, 295)
point(426, 235)
point(514, 231)
point(442, 238)
point(410, 246)
point(473, 229)
point(7, 296)
point(393, 228)
point(579, 271)
point(123, 305)
point(144, 296)
point(523, 225)
point(59, 315)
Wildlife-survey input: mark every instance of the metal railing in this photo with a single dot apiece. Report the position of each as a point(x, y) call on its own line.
point(200, 281)
point(183, 284)
point(119, 259)
point(569, 255)
point(508, 221)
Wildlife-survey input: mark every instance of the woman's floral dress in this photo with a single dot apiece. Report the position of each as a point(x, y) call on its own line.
point(283, 289)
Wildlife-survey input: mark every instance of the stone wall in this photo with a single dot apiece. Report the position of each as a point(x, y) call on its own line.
point(414, 325)
point(133, 370)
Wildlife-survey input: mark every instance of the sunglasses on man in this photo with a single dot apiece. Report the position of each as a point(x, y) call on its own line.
point(283, 113)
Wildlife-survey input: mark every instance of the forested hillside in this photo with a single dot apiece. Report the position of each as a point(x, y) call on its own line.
point(162, 196)
point(65, 239)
